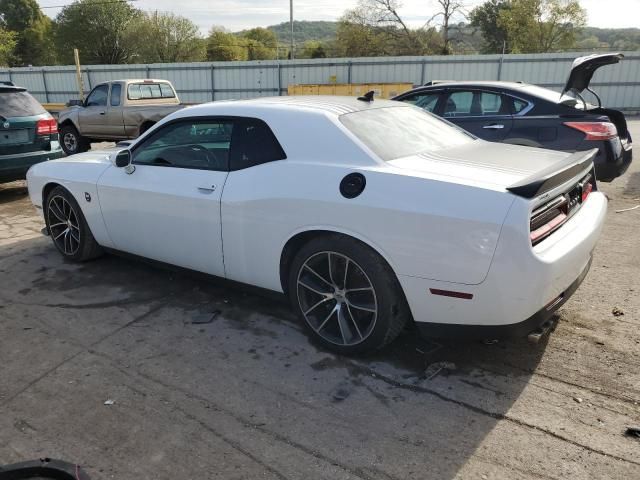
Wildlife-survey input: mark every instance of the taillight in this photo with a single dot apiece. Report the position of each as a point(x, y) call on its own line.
point(586, 190)
point(546, 219)
point(549, 217)
point(595, 130)
point(46, 126)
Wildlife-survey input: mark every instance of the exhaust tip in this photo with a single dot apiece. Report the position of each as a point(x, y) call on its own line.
point(541, 332)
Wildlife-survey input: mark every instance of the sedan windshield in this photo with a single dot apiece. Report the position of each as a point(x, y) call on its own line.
point(396, 132)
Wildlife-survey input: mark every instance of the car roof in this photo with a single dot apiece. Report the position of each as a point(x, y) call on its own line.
point(535, 91)
point(495, 84)
point(11, 88)
point(332, 105)
point(136, 80)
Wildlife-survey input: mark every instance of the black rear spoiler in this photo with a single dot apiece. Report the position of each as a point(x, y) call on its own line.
point(554, 175)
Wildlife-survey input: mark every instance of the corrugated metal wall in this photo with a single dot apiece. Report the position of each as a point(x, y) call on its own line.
point(202, 82)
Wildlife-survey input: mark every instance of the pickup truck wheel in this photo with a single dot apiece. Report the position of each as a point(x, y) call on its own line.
point(72, 142)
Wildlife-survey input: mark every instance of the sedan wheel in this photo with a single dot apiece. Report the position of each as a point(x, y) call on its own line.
point(63, 225)
point(337, 298)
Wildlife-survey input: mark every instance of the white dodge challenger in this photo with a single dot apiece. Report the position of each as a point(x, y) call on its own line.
point(367, 214)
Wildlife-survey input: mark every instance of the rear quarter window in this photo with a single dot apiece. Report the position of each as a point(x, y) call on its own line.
point(19, 103)
point(146, 91)
point(396, 132)
point(116, 92)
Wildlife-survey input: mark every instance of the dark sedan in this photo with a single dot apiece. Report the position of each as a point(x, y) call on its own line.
point(522, 114)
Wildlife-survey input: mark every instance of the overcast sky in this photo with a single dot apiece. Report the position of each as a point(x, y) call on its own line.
point(240, 14)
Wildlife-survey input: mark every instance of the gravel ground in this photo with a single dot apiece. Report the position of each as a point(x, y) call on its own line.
point(246, 395)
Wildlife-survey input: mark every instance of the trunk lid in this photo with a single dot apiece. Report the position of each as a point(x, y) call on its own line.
point(583, 69)
point(554, 175)
point(490, 165)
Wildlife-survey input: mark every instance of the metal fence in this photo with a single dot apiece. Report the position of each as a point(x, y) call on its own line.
point(207, 81)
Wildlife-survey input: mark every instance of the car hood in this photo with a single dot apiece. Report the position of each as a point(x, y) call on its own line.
point(93, 156)
point(583, 69)
point(490, 165)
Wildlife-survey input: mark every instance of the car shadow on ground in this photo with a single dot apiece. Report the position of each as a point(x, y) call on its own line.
point(633, 185)
point(437, 401)
point(12, 192)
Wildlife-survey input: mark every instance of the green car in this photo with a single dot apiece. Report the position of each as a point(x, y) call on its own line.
point(28, 133)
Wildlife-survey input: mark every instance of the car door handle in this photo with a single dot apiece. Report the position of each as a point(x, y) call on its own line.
point(210, 189)
point(103, 113)
point(494, 126)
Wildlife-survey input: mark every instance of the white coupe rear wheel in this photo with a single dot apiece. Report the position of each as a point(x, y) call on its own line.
point(336, 298)
point(346, 294)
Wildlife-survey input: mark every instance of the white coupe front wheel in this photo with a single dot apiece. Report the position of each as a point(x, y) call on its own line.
point(68, 228)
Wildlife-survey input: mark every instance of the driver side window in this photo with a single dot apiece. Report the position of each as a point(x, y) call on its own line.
point(197, 144)
point(98, 96)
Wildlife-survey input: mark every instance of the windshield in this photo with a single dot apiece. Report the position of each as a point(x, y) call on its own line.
point(18, 103)
point(396, 132)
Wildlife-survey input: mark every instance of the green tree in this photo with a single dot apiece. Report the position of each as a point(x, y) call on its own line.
point(589, 43)
point(167, 38)
point(313, 49)
point(375, 28)
point(534, 26)
point(448, 9)
point(485, 18)
point(33, 32)
point(261, 44)
point(104, 32)
point(355, 37)
point(7, 46)
point(224, 46)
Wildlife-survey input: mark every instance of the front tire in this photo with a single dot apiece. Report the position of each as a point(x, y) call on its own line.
point(68, 228)
point(346, 295)
point(71, 140)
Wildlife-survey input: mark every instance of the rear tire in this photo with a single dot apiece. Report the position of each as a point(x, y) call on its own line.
point(346, 295)
point(72, 142)
point(68, 228)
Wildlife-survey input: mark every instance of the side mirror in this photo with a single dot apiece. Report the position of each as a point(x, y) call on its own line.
point(75, 103)
point(123, 158)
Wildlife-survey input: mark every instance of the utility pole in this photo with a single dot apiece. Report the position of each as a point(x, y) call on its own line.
point(292, 55)
point(76, 56)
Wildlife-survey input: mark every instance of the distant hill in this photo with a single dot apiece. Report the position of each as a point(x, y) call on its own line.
point(464, 38)
point(609, 38)
point(304, 31)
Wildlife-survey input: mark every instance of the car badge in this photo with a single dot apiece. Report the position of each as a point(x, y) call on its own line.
point(5, 125)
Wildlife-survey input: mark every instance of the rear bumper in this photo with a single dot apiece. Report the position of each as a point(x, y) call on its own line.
point(14, 167)
point(524, 285)
point(513, 330)
point(613, 159)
